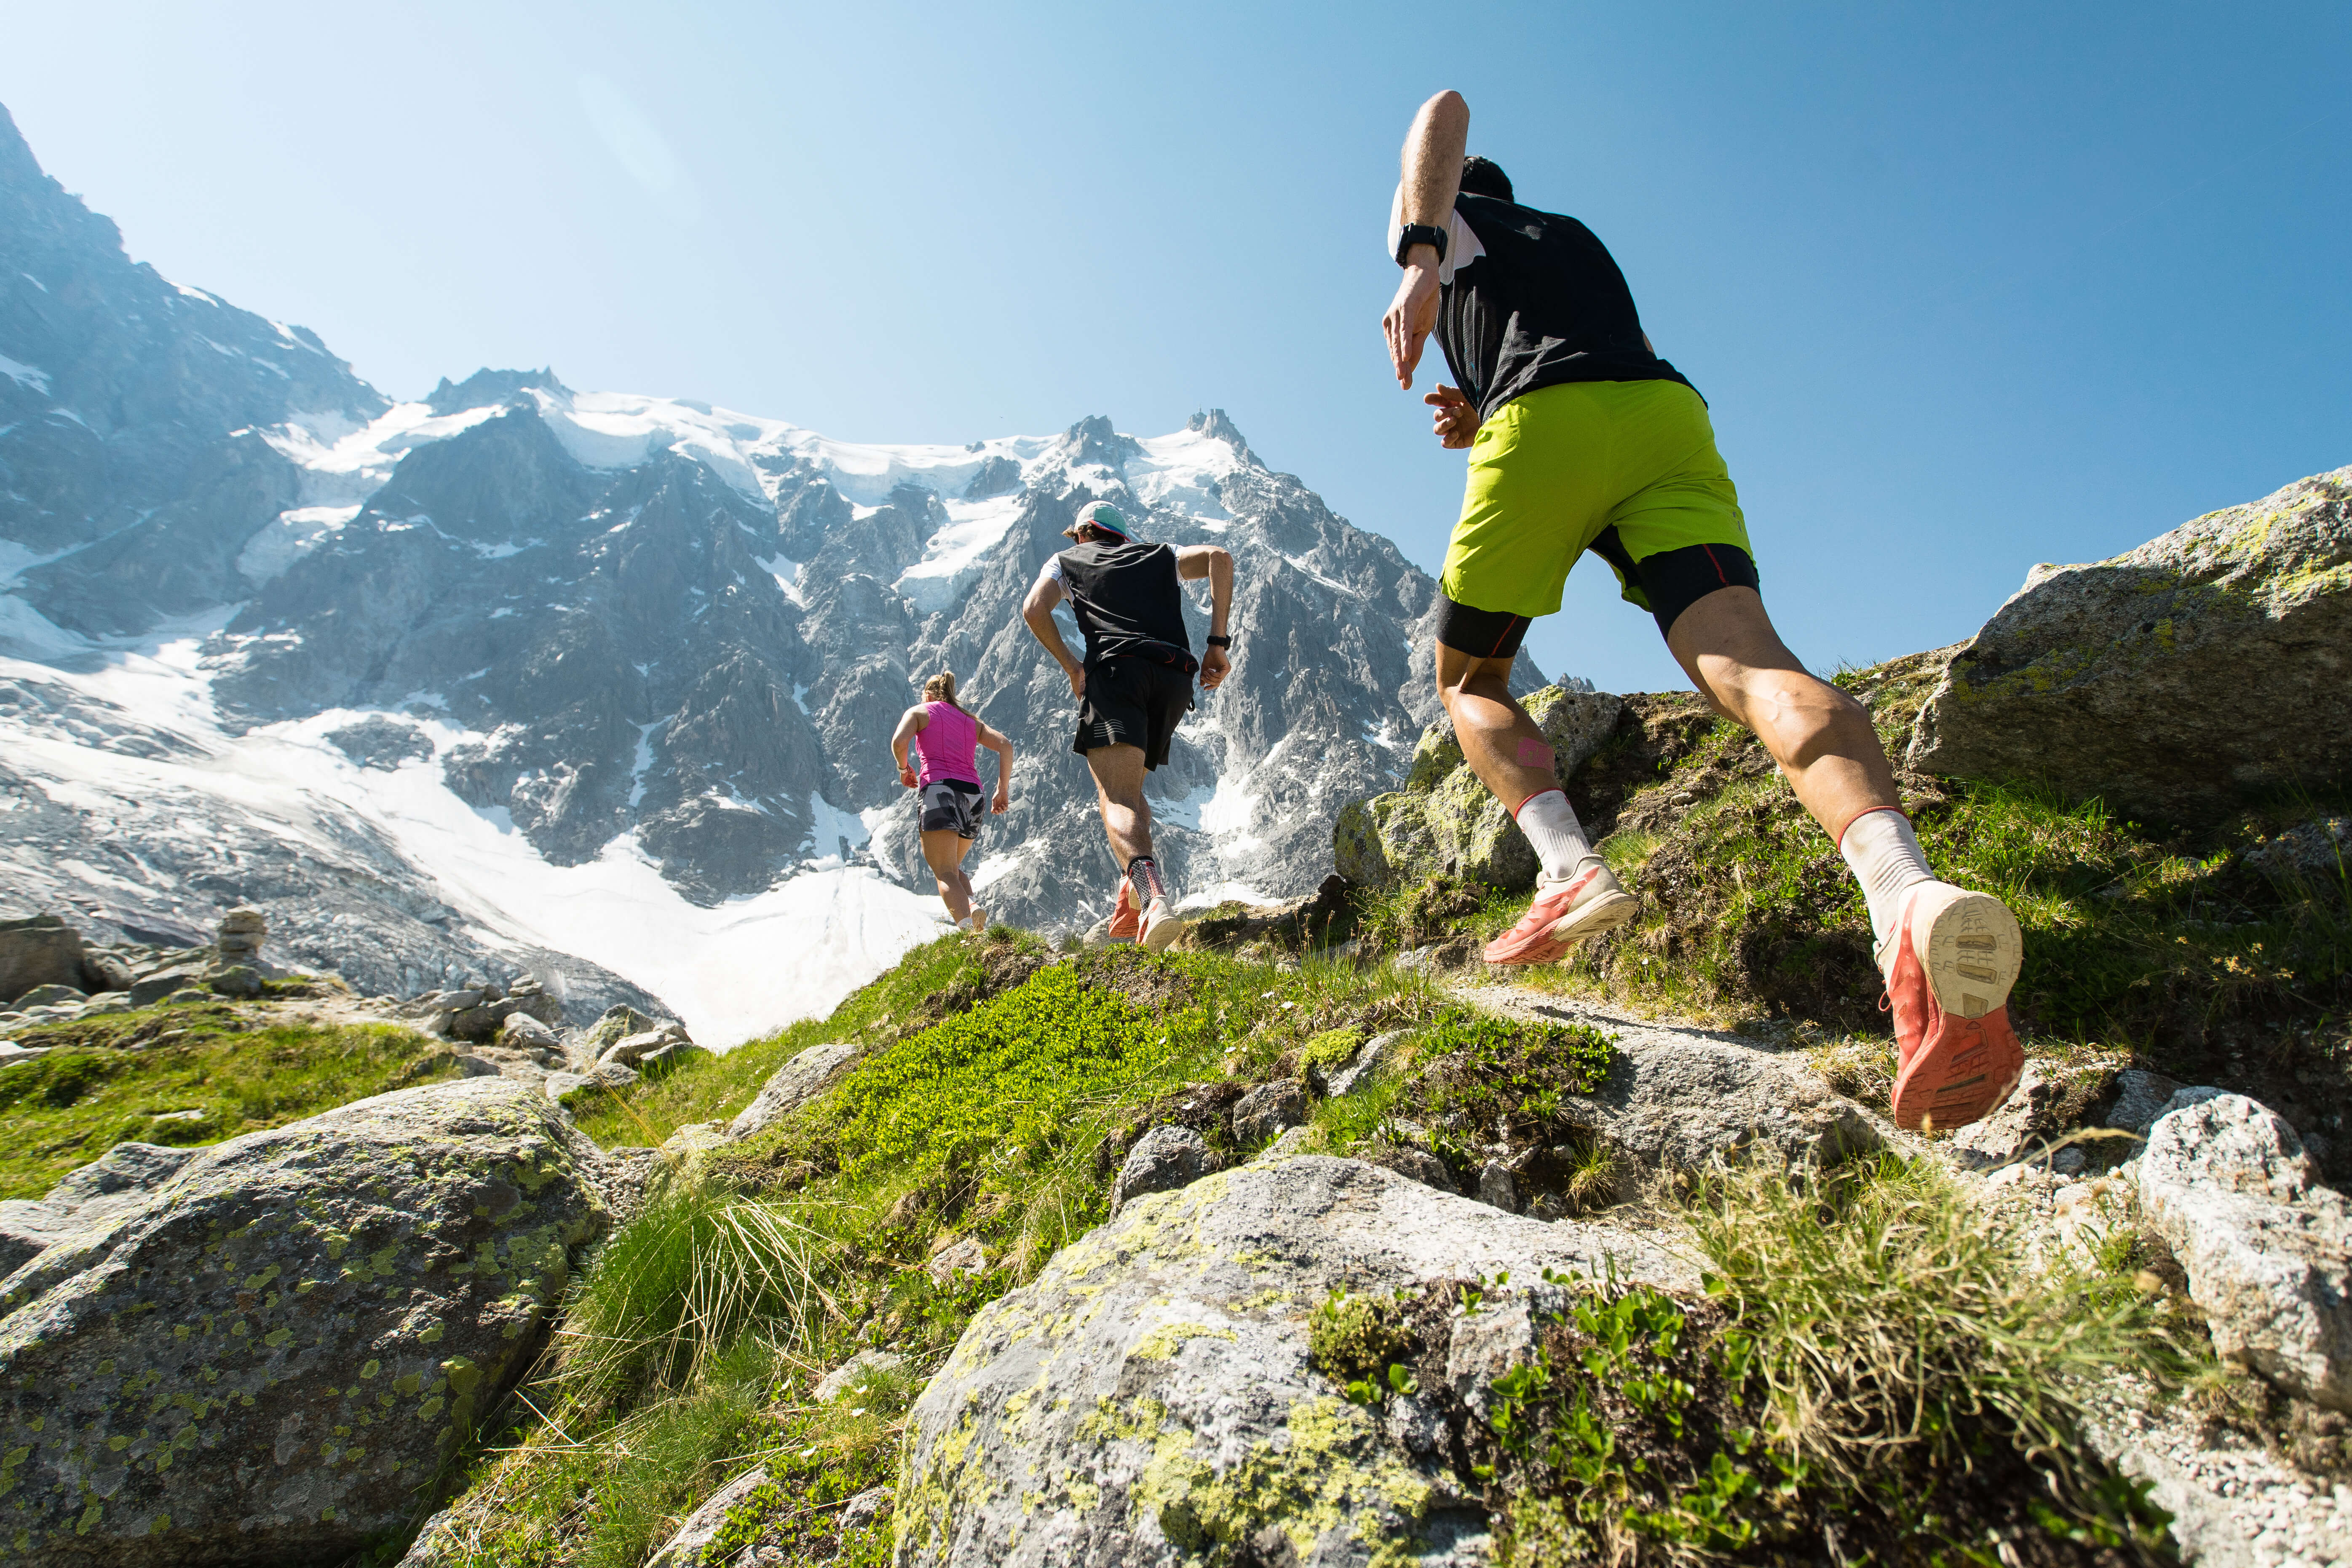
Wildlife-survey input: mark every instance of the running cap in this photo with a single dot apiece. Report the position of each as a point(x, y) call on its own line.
point(1103, 515)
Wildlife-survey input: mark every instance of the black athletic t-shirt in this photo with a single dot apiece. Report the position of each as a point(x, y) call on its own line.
point(1533, 299)
point(1124, 595)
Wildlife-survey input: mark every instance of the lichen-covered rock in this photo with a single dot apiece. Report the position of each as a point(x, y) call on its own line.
point(690, 1545)
point(1162, 1160)
point(1444, 823)
point(1359, 1070)
point(234, 980)
point(1268, 1109)
point(2208, 663)
point(794, 1085)
point(2226, 1184)
point(266, 1356)
point(1683, 1100)
point(150, 989)
point(1149, 1399)
point(618, 1023)
point(38, 950)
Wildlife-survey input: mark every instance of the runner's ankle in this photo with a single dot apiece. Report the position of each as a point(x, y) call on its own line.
point(1884, 854)
point(1551, 826)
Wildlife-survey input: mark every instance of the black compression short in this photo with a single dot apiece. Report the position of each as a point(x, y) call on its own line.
point(1672, 580)
point(1132, 702)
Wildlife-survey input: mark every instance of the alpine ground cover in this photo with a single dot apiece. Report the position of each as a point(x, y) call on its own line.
point(994, 1075)
point(185, 1076)
point(1872, 1374)
point(2221, 954)
point(997, 1082)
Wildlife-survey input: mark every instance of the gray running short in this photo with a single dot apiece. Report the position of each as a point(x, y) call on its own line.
point(951, 805)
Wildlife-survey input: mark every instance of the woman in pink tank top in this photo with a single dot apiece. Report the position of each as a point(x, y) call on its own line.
point(946, 740)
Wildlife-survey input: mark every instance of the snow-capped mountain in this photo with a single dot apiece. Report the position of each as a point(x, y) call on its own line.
point(601, 683)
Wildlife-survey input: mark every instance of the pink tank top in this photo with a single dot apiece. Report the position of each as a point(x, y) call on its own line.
point(946, 743)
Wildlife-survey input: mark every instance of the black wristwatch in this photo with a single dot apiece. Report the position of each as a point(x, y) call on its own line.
point(1225, 643)
point(1414, 234)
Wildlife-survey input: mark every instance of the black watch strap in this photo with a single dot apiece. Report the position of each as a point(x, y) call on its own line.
point(1219, 642)
point(1414, 234)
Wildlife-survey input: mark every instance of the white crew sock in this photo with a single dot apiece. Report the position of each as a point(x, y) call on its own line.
point(1884, 854)
point(1551, 825)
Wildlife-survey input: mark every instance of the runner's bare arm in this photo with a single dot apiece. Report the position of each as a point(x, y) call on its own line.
point(1194, 563)
point(1002, 746)
point(1037, 610)
point(910, 724)
point(1432, 176)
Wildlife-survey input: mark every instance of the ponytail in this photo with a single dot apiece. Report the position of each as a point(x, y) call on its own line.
point(940, 687)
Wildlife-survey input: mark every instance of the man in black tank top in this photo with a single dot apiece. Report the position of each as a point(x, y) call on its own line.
point(1134, 685)
point(1582, 439)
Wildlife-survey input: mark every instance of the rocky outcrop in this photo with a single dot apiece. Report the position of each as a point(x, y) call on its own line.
point(794, 1085)
point(2225, 1184)
point(1150, 1398)
point(42, 953)
point(1444, 823)
point(1162, 1160)
point(2208, 664)
point(261, 1350)
point(1680, 1099)
point(689, 1547)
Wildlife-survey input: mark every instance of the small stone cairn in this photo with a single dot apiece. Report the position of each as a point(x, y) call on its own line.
point(242, 933)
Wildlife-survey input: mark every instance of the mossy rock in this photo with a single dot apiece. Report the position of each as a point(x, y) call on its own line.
point(2206, 668)
point(1443, 823)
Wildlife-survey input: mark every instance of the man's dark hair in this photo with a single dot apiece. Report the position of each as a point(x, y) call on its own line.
point(1484, 177)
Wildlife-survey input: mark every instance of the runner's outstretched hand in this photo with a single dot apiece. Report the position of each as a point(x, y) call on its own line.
point(1003, 800)
point(1456, 421)
point(1214, 665)
point(1077, 674)
point(906, 775)
point(1412, 316)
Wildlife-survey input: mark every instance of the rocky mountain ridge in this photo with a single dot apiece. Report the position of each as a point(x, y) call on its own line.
point(594, 683)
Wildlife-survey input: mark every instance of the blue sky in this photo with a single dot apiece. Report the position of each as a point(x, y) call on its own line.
point(1967, 287)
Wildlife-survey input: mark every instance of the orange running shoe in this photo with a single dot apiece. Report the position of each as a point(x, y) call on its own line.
point(1950, 963)
point(1161, 925)
point(1594, 903)
point(1125, 919)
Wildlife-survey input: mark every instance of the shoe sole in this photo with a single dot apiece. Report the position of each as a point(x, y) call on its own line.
point(1163, 935)
point(1965, 1075)
point(1971, 954)
point(1605, 913)
point(1602, 915)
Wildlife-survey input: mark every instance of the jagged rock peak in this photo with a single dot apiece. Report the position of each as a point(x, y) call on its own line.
point(487, 387)
point(1092, 440)
point(1216, 424)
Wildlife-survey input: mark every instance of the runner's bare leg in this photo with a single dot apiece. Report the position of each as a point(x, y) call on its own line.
point(1821, 736)
point(1494, 732)
point(943, 852)
point(1127, 815)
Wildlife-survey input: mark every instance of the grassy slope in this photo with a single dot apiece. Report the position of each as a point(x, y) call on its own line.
point(993, 1096)
point(106, 1081)
point(2144, 944)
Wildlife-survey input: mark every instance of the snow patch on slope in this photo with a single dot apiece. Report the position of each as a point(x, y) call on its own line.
point(25, 374)
point(747, 967)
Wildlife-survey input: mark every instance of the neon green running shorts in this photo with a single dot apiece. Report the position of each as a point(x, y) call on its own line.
point(1556, 467)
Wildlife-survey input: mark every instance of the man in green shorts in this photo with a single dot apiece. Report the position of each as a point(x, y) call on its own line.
point(1582, 439)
